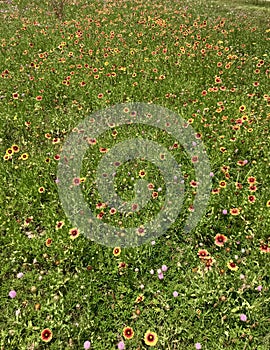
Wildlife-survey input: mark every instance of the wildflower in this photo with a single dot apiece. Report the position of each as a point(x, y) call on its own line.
point(87, 345)
point(116, 251)
point(59, 225)
point(128, 333)
point(24, 156)
point(20, 275)
point(251, 180)
point(203, 253)
point(220, 240)
point(46, 335)
point(242, 108)
point(76, 181)
point(142, 173)
point(15, 148)
point(232, 266)
point(253, 188)
point(224, 211)
point(243, 317)
point(264, 248)
point(48, 242)
point(41, 190)
point(251, 199)
point(164, 268)
point(160, 276)
point(175, 294)
point(198, 346)
point(268, 203)
point(74, 233)
point(222, 184)
point(12, 294)
point(121, 345)
point(234, 211)
point(150, 338)
point(259, 288)
point(139, 298)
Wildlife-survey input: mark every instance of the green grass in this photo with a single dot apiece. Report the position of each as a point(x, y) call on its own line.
point(80, 292)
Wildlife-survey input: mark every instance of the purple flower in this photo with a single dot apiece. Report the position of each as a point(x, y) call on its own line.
point(211, 174)
point(121, 345)
point(243, 317)
point(12, 294)
point(164, 268)
point(259, 288)
point(175, 294)
point(224, 211)
point(198, 346)
point(19, 275)
point(160, 276)
point(87, 345)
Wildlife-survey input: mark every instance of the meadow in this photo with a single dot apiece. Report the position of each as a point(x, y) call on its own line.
point(206, 61)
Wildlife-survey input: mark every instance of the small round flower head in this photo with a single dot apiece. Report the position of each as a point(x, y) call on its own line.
point(164, 268)
point(121, 345)
point(87, 345)
point(12, 294)
point(243, 317)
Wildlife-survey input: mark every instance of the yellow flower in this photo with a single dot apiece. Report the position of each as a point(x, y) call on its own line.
point(150, 338)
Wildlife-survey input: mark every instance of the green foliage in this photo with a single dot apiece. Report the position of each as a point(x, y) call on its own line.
point(63, 60)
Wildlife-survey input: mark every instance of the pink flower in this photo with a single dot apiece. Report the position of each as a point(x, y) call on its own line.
point(87, 345)
point(121, 345)
point(164, 268)
point(12, 294)
point(259, 288)
point(175, 294)
point(160, 276)
point(243, 317)
point(198, 346)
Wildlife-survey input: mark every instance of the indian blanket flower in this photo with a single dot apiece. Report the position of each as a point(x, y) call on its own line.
point(116, 251)
point(232, 266)
point(128, 333)
point(150, 338)
point(203, 253)
point(46, 335)
point(48, 242)
point(220, 240)
point(59, 225)
point(234, 211)
point(74, 233)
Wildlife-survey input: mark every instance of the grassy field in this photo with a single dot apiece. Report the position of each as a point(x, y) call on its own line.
point(206, 61)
